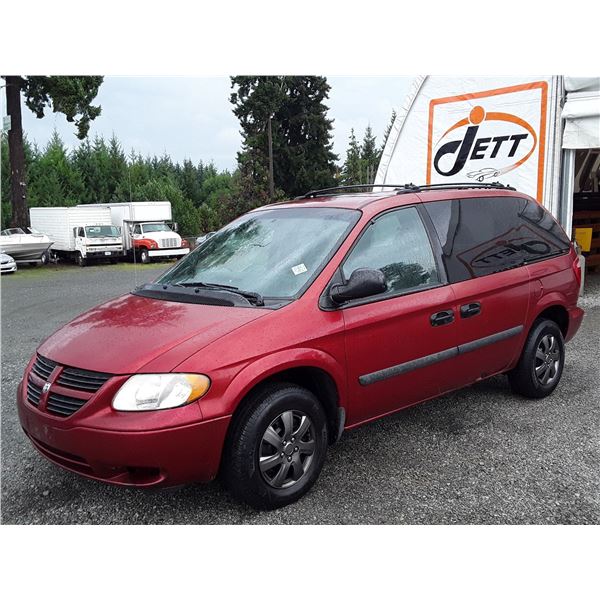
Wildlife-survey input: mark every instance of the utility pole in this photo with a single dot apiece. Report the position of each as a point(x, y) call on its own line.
point(20, 215)
point(271, 176)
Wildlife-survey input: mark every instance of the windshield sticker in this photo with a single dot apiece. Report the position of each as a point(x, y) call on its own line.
point(299, 269)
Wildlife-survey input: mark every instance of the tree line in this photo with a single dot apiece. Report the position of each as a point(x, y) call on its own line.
point(286, 151)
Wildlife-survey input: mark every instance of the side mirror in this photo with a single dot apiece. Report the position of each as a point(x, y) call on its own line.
point(362, 284)
point(175, 227)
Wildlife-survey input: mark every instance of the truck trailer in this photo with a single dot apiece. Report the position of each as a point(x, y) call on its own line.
point(148, 231)
point(81, 233)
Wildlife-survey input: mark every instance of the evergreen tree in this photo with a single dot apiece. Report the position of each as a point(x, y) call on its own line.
point(116, 171)
point(351, 171)
point(370, 156)
point(191, 181)
point(53, 181)
point(301, 134)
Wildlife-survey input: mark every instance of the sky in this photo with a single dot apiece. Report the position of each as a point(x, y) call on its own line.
point(192, 117)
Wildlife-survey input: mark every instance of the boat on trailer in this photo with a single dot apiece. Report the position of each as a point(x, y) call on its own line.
point(25, 247)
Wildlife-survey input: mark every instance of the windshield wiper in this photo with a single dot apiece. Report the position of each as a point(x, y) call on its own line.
point(254, 296)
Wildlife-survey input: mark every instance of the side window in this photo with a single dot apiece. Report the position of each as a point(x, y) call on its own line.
point(481, 236)
point(80, 232)
point(397, 244)
point(137, 229)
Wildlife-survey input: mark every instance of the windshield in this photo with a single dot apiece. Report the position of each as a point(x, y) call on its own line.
point(102, 231)
point(14, 231)
point(149, 227)
point(274, 253)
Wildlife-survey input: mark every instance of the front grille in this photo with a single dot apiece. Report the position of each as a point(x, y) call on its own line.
point(169, 243)
point(78, 379)
point(33, 393)
point(63, 406)
point(43, 367)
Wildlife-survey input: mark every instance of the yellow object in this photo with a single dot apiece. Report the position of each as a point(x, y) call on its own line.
point(583, 236)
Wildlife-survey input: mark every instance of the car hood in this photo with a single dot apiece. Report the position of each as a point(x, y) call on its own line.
point(136, 334)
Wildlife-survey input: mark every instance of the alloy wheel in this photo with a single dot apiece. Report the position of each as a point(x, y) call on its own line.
point(547, 359)
point(287, 449)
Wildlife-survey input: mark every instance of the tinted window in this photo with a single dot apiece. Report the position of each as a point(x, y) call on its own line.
point(480, 236)
point(397, 244)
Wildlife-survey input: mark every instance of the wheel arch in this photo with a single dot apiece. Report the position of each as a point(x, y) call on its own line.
point(557, 313)
point(325, 383)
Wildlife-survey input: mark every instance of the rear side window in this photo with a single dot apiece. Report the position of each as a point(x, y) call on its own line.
point(481, 236)
point(397, 244)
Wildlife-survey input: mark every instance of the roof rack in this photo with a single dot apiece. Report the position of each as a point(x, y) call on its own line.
point(406, 188)
point(343, 188)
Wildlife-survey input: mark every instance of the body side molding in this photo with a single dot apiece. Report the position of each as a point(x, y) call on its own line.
point(431, 359)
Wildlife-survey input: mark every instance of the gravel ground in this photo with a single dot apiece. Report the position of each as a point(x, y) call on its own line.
point(480, 455)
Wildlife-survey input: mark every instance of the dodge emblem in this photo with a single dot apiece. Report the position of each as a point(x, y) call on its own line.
point(46, 387)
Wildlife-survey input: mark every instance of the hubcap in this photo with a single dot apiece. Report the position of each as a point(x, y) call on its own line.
point(547, 359)
point(287, 449)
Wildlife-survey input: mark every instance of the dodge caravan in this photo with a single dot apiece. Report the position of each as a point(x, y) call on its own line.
point(298, 321)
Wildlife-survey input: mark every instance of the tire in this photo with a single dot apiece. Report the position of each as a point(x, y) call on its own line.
point(275, 412)
point(45, 258)
point(81, 261)
point(541, 363)
point(144, 256)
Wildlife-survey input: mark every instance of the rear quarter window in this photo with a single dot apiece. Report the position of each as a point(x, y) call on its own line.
point(481, 236)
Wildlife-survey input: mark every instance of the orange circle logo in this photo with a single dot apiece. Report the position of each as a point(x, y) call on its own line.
point(477, 115)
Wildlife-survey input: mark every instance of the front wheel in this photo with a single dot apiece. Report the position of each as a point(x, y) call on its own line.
point(81, 260)
point(144, 256)
point(541, 364)
point(276, 447)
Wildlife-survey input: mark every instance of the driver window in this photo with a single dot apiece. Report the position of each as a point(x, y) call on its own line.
point(137, 229)
point(397, 244)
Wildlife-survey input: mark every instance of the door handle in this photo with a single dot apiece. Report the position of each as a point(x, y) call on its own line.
point(441, 318)
point(470, 310)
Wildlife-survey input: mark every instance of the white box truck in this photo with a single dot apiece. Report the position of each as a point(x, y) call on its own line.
point(148, 231)
point(83, 233)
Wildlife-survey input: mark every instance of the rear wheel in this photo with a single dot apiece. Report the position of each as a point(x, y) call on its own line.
point(277, 447)
point(541, 364)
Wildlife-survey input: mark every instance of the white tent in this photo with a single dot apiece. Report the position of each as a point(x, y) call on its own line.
point(581, 113)
point(507, 129)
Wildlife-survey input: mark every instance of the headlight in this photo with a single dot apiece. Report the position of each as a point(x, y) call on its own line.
point(155, 392)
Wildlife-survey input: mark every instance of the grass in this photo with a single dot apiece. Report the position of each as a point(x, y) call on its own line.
point(30, 272)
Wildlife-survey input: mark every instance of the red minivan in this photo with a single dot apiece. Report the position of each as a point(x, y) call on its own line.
point(300, 320)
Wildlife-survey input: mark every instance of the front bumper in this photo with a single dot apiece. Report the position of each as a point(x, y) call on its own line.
point(8, 267)
point(169, 252)
point(169, 456)
point(104, 254)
